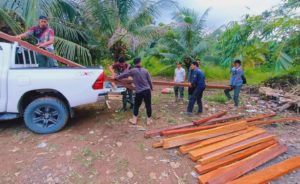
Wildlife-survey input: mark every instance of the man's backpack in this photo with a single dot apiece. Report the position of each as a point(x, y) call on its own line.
point(244, 79)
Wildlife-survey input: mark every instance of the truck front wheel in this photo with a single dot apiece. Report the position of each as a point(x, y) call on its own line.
point(46, 115)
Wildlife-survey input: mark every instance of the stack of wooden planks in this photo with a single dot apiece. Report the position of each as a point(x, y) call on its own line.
point(226, 151)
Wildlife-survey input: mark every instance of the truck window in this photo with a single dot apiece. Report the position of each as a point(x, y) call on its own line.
point(25, 58)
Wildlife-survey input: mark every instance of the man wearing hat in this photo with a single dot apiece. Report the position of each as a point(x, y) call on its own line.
point(143, 86)
point(179, 77)
point(45, 38)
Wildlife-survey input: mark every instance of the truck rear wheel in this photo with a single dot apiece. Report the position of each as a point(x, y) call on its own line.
point(46, 115)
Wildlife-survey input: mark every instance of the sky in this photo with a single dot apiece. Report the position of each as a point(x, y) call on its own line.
point(223, 11)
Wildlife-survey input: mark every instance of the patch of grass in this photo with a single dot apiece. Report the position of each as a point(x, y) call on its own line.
point(172, 121)
point(219, 98)
point(87, 157)
point(121, 164)
point(141, 146)
point(82, 138)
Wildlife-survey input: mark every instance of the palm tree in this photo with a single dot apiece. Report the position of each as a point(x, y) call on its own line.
point(124, 25)
point(184, 39)
point(70, 41)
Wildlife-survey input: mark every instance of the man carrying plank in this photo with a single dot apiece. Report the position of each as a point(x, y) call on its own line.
point(45, 37)
point(143, 87)
point(198, 83)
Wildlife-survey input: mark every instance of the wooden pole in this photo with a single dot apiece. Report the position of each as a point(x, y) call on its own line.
point(39, 50)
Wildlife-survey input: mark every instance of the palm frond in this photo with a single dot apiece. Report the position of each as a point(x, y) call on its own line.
point(10, 22)
point(72, 51)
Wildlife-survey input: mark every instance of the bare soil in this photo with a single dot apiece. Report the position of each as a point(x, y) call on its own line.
point(99, 146)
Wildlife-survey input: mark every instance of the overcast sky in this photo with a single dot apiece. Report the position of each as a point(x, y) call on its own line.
point(223, 11)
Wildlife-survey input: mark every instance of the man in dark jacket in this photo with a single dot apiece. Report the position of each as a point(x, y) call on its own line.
point(143, 86)
point(198, 83)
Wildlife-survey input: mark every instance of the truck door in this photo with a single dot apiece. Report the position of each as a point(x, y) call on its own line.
point(4, 62)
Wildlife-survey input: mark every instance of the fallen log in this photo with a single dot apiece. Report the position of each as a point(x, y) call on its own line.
point(281, 120)
point(213, 156)
point(198, 153)
point(270, 173)
point(205, 168)
point(189, 147)
point(216, 115)
point(205, 134)
point(39, 50)
point(233, 171)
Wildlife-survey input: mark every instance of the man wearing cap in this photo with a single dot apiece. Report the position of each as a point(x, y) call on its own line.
point(45, 37)
point(179, 77)
point(143, 86)
point(198, 83)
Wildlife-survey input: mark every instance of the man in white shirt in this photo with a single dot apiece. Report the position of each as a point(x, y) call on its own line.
point(179, 77)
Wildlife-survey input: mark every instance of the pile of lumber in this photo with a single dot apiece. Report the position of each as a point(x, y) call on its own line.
point(225, 151)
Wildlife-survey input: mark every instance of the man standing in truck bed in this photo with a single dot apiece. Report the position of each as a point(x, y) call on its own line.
point(45, 37)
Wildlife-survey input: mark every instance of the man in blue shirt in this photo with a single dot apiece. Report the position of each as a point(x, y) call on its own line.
point(236, 82)
point(198, 83)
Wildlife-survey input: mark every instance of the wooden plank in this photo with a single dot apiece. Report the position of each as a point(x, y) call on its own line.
point(157, 132)
point(168, 83)
point(233, 171)
point(160, 131)
point(201, 135)
point(158, 144)
point(216, 115)
point(194, 129)
point(213, 156)
point(224, 119)
point(187, 148)
point(281, 120)
point(39, 50)
point(270, 173)
point(184, 130)
point(198, 153)
point(205, 168)
point(263, 116)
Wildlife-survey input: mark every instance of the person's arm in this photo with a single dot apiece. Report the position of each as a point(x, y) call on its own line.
point(112, 71)
point(29, 32)
point(174, 75)
point(149, 81)
point(126, 74)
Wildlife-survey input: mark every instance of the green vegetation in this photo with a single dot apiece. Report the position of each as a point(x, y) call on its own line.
point(94, 32)
point(219, 98)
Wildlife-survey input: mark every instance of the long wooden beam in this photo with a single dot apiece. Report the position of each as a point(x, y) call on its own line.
point(281, 120)
point(270, 173)
point(216, 115)
point(211, 157)
point(168, 83)
point(198, 128)
point(39, 50)
point(160, 131)
point(233, 171)
point(198, 153)
point(189, 147)
point(263, 116)
point(205, 168)
point(202, 135)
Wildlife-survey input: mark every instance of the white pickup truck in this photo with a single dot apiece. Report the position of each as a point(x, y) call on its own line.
point(44, 97)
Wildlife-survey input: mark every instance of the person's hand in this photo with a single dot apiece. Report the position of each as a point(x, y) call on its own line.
point(18, 37)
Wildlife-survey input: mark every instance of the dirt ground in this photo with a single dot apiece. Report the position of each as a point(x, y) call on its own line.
point(99, 146)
